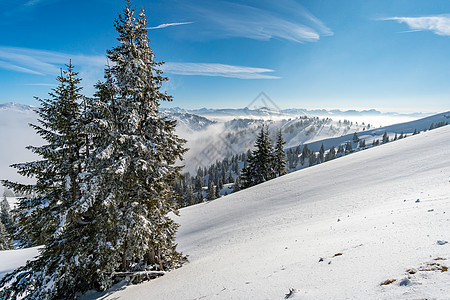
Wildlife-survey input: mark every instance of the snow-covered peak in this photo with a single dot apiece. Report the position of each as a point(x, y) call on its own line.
point(16, 106)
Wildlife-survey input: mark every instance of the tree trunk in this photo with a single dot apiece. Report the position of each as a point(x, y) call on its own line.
point(151, 256)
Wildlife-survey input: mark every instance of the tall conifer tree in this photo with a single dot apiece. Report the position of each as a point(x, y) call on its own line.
point(280, 161)
point(56, 215)
point(57, 183)
point(136, 151)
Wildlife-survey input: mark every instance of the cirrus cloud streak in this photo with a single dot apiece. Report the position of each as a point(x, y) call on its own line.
point(216, 69)
point(438, 24)
point(169, 25)
point(47, 63)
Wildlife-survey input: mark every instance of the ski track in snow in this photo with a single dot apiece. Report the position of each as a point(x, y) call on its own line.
point(358, 214)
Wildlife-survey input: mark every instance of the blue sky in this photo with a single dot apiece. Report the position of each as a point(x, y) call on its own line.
point(349, 54)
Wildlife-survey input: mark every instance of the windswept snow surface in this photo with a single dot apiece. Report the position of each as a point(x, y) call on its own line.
point(359, 214)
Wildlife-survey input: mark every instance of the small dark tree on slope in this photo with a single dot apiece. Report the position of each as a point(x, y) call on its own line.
point(362, 144)
point(259, 168)
point(321, 156)
point(5, 216)
point(385, 138)
point(348, 147)
point(5, 242)
point(211, 193)
point(280, 156)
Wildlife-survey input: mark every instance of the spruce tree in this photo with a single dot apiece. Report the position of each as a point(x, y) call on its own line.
point(5, 215)
point(220, 184)
point(230, 178)
point(135, 153)
point(57, 216)
point(259, 168)
point(385, 138)
point(5, 242)
point(362, 144)
point(305, 154)
point(189, 198)
point(331, 154)
point(312, 158)
point(280, 161)
point(348, 147)
point(237, 184)
point(211, 194)
point(217, 190)
point(321, 153)
point(57, 182)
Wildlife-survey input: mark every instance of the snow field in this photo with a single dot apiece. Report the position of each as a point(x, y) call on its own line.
point(351, 212)
point(333, 231)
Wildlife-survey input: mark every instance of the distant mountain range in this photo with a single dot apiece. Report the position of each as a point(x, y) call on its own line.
point(265, 112)
point(213, 134)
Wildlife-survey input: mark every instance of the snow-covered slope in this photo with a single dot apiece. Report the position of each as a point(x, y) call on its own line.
point(377, 133)
point(333, 231)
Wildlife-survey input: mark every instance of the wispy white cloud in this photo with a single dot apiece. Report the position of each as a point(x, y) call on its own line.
point(41, 62)
point(260, 21)
point(439, 24)
point(9, 66)
point(216, 69)
point(48, 63)
point(169, 25)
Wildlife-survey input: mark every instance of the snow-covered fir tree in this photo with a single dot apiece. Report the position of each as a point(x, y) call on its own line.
point(211, 193)
point(6, 216)
point(56, 173)
point(331, 154)
point(135, 151)
point(348, 147)
point(55, 217)
point(280, 161)
point(5, 241)
point(362, 144)
point(385, 138)
point(321, 156)
point(260, 161)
